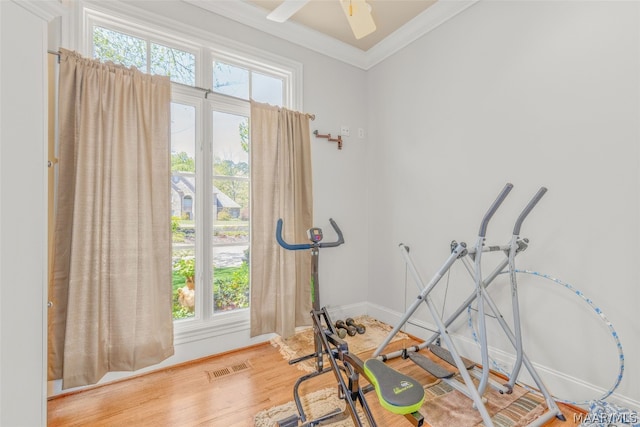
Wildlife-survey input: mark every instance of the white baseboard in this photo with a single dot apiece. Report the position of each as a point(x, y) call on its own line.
point(558, 383)
point(344, 311)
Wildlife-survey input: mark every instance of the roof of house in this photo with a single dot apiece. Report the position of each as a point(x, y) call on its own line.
point(184, 182)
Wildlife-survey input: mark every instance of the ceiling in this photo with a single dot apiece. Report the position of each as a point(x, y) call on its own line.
point(327, 17)
point(322, 26)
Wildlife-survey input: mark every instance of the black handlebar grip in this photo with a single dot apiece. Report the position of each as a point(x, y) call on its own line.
point(494, 207)
point(534, 201)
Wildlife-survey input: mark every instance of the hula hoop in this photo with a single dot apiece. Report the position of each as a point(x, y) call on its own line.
point(599, 312)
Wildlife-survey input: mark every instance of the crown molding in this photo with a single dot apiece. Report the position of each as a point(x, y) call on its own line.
point(254, 17)
point(44, 9)
point(291, 31)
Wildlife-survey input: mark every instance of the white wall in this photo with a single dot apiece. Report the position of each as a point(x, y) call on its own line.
point(537, 94)
point(23, 213)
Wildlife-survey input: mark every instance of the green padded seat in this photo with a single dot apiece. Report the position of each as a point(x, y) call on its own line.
point(396, 392)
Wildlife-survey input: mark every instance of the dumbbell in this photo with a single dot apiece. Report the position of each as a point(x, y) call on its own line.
point(360, 328)
point(342, 332)
point(350, 329)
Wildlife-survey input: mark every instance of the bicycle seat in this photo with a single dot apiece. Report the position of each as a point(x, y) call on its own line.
point(396, 392)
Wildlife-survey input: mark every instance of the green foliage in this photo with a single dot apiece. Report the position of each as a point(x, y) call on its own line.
point(231, 288)
point(181, 162)
point(179, 312)
point(185, 267)
point(175, 224)
point(230, 168)
point(224, 215)
point(176, 233)
point(243, 128)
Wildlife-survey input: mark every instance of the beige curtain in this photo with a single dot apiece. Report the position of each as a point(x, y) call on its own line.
point(111, 289)
point(280, 188)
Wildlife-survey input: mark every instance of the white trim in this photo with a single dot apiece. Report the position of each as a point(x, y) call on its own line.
point(43, 9)
point(255, 17)
point(44, 205)
point(1, 210)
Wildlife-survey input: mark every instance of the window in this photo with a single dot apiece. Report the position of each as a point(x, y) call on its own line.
point(183, 192)
point(240, 82)
point(146, 56)
point(210, 182)
point(230, 214)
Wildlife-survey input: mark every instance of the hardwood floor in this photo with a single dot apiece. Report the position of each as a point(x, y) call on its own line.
point(224, 390)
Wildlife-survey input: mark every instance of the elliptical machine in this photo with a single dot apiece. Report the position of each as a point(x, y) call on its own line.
point(396, 392)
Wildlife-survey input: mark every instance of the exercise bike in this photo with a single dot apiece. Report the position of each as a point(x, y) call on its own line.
point(396, 392)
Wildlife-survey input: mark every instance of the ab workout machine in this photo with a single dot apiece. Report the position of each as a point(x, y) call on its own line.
point(396, 392)
point(466, 368)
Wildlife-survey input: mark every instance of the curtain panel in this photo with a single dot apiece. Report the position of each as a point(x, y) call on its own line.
point(111, 281)
point(280, 188)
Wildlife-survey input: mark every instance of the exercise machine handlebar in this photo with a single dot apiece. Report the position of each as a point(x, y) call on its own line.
point(303, 246)
point(494, 207)
point(534, 201)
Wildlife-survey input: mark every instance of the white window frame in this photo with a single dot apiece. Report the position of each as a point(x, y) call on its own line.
point(207, 47)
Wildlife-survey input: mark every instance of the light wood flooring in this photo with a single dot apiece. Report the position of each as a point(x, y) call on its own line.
point(225, 390)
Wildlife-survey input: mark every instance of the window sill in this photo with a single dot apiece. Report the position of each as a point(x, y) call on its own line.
point(186, 331)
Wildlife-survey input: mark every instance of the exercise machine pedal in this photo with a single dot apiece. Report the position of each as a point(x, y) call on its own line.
point(445, 355)
point(291, 421)
point(429, 365)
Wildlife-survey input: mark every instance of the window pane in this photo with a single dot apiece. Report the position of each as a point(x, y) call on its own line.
point(230, 80)
point(183, 187)
point(230, 278)
point(230, 144)
point(231, 197)
point(266, 89)
point(230, 246)
point(179, 65)
point(109, 45)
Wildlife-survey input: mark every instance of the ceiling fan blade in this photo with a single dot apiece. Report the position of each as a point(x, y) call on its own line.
point(286, 10)
point(358, 14)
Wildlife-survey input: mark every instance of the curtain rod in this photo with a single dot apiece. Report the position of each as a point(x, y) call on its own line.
point(205, 90)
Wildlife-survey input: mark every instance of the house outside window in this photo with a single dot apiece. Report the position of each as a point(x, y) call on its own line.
point(210, 171)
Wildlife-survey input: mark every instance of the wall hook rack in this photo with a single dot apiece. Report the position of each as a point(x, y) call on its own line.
point(328, 136)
